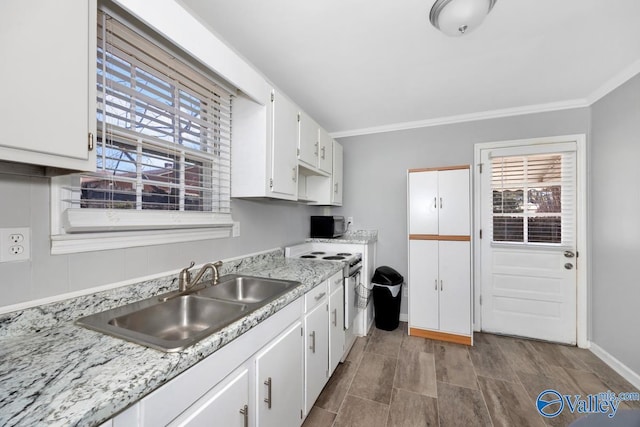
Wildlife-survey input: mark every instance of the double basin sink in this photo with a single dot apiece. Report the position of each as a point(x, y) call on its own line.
point(174, 321)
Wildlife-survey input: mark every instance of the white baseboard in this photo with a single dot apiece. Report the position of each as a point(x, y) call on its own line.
point(616, 365)
point(404, 317)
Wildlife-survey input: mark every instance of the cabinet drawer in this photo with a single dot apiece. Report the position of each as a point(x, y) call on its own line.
point(335, 282)
point(315, 296)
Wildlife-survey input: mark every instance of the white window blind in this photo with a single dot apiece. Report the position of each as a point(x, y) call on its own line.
point(534, 198)
point(164, 132)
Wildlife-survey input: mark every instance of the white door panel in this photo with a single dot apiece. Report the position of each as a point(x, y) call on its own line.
point(424, 285)
point(423, 202)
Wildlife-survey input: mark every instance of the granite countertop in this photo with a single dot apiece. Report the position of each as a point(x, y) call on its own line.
point(53, 372)
point(360, 237)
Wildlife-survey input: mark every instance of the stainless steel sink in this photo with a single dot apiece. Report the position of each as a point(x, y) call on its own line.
point(246, 289)
point(172, 322)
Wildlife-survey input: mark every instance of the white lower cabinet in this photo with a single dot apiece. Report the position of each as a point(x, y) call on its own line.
point(279, 381)
point(336, 326)
point(316, 355)
point(227, 405)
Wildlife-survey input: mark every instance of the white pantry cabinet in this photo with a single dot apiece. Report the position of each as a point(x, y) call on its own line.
point(48, 77)
point(263, 153)
point(279, 381)
point(439, 282)
point(328, 190)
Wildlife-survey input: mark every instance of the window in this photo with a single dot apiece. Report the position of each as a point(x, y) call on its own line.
point(162, 146)
point(533, 198)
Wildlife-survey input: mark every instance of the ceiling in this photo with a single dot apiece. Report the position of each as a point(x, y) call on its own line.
point(361, 65)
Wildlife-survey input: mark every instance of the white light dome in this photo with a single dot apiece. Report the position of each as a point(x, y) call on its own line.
point(458, 17)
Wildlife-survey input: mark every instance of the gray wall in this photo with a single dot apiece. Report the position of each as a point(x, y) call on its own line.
point(25, 203)
point(615, 223)
point(376, 166)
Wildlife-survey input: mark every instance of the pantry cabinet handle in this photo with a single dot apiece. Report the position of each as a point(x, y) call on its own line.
point(245, 413)
point(335, 317)
point(324, 149)
point(440, 202)
point(268, 398)
point(316, 152)
point(320, 296)
point(436, 284)
point(313, 342)
point(440, 284)
point(435, 203)
point(295, 175)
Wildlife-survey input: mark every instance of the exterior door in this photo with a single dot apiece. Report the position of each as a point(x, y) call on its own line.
point(528, 248)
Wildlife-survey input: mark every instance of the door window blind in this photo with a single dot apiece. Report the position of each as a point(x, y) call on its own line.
point(534, 198)
point(164, 130)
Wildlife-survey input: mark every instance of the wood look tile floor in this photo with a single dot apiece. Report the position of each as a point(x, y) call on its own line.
point(390, 379)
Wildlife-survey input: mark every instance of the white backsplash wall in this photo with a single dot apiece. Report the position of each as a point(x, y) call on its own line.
point(25, 203)
point(376, 166)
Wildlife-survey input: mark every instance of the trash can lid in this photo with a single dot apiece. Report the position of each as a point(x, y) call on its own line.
point(387, 276)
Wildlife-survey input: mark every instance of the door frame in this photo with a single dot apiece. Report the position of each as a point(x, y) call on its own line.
point(582, 282)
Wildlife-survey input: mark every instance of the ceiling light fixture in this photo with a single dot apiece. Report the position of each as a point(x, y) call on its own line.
point(459, 17)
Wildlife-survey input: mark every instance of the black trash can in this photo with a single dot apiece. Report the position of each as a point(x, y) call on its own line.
point(387, 295)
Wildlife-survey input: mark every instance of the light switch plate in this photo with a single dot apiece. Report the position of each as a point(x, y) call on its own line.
point(15, 244)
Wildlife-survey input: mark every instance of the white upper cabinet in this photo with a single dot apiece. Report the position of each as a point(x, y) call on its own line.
point(308, 141)
point(327, 190)
point(48, 79)
point(265, 138)
point(325, 152)
point(336, 177)
point(439, 202)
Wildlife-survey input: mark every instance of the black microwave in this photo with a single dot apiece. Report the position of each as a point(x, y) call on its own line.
point(327, 226)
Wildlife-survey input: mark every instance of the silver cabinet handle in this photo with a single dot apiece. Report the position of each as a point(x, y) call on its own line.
point(335, 317)
point(315, 153)
point(320, 296)
point(435, 203)
point(436, 284)
point(335, 189)
point(267, 400)
point(313, 342)
point(440, 202)
point(324, 149)
point(245, 413)
point(440, 284)
point(295, 174)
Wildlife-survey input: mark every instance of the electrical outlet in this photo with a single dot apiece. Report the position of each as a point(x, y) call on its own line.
point(235, 231)
point(349, 220)
point(15, 244)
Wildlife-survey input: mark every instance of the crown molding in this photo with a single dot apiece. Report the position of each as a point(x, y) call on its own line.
point(613, 83)
point(609, 86)
point(462, 118)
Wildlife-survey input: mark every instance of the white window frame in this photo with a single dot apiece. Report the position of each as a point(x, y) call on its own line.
point(82, 230)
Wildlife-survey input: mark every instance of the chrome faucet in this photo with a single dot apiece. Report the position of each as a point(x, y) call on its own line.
point(184, 278)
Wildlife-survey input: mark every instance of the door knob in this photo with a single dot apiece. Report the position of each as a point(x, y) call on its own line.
point(568, 266)
point(569, 254)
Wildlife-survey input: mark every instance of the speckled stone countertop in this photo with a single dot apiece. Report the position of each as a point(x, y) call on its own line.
point(360, 237)
point(55, 373)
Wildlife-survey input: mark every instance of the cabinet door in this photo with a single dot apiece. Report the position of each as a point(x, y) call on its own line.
point(453, 201)
point(279, 381)
point(308, 141)
point(325, 155)
point(423, 284)
point(316, 332)
point(336, 177)
point(455, 292)
point(423, 202)
point(284, 162)
point(48, 74)
point(336, 328)
point(225, 405)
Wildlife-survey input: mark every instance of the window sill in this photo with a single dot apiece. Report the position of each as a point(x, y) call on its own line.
point(88, 242)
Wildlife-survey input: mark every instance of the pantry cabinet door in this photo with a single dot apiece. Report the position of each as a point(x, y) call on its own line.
point(453, 202)
point(308, 140)
point(455, 292)
point(423, 284)
point(423, 202)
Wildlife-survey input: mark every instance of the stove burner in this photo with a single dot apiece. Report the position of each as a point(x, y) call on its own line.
point(344, 254)
point(333, 258)
point(308, 256)
point(318, 253)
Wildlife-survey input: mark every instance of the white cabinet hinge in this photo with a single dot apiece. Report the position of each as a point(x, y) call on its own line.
point(270, 182)
point(272, 96)
point(298, 117)
point(298, 152)
point(90, 142)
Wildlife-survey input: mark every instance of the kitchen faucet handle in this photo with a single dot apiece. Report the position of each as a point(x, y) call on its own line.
point(216, 274)
point(185, 277)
